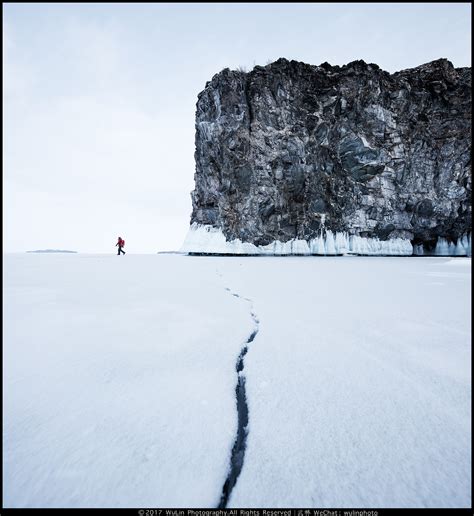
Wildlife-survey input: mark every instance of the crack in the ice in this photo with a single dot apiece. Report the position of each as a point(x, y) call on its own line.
point(238, 450)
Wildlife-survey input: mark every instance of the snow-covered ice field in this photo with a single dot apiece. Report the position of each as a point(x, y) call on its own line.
point(119, 381)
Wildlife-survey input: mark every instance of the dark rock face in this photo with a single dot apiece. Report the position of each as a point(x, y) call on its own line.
point(287, 150)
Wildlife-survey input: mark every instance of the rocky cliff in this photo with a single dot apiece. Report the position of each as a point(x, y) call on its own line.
point(299, 159)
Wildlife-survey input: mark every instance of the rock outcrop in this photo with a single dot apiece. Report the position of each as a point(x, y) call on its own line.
point(299, 159)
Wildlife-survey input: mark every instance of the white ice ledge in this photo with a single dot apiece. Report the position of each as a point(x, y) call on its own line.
point(210, 240)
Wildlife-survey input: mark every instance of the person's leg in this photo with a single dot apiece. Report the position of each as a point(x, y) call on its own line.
point(118, 252)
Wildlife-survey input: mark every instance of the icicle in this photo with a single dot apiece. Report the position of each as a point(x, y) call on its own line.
point(210, 240)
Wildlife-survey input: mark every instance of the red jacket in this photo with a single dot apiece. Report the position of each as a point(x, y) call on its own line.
point(120, 242)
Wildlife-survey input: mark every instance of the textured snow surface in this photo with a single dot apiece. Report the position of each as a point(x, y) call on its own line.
point(358, 383)
point(119, 381)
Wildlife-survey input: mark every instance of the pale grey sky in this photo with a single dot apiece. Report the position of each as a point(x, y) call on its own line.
point(99, 101)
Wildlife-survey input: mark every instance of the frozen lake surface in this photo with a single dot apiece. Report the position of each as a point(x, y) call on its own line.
point(119, 377)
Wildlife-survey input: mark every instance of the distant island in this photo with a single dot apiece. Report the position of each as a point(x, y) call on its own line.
point(51, 251)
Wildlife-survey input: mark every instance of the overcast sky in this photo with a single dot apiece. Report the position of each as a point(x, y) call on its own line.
point(99, 101)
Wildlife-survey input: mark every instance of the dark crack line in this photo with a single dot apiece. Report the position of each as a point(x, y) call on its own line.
point(238, 450)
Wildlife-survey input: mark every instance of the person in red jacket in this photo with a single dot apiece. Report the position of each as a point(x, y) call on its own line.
point(120, 244)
